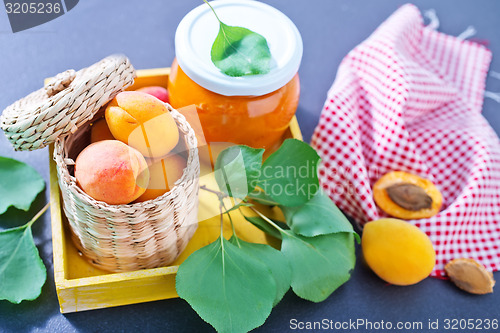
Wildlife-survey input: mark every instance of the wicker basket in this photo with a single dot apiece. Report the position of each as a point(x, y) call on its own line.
point(115, 238)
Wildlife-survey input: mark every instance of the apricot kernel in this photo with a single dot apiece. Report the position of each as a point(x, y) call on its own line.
point(470, 276)
point(409, 196)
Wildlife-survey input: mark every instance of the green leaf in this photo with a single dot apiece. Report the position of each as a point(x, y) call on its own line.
point(275, 261)
point(228, 289)
point(261, 197)
point(239, 51)
point(237, 170)
point(320, 264)
point(22, 273)
point(19, 184)
point(318, 216)
point(289, 175)
point(263, 225)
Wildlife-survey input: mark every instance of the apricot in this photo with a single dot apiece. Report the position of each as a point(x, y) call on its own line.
point(397, 251)
point(143, 122)
point(156, 91)
point(162, 176)
point(407, 196)
point(99, 131)
point(112, 172)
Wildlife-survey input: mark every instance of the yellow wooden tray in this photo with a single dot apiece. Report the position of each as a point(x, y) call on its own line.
point(81, 286)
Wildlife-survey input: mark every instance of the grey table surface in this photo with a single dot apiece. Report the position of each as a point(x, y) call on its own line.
point(144, 31)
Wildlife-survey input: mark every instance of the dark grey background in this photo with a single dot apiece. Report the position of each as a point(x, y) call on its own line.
point(144, 31)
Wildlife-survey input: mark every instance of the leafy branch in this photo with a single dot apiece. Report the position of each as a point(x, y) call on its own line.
point(233, 284)
point(22, 272)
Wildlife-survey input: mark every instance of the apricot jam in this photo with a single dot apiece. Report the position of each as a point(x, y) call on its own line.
point(256, 121)
point(254, 110)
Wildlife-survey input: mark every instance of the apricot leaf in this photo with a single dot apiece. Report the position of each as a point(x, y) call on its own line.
point(262, 198)
point(238, 51)
point(264, 226)
point(22, 273)
point(318, 216)
point(320, 264)
point(289, 175)
point(19, 184)
point(237, 170)
point(229, 289)
point(275, 261)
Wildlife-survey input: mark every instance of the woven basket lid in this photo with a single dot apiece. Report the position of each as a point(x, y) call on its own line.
point(68, 101)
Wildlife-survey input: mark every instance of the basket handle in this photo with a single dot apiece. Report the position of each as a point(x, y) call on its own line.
point(60, 82)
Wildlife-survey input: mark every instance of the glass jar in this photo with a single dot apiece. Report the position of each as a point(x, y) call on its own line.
point(254, 110)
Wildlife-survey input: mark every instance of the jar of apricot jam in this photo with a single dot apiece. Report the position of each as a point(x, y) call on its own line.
point(254, 110)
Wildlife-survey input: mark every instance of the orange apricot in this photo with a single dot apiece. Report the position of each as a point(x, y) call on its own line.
point(163, 175)
point(143, 122)
point(112, 172)
point(156, 91)
point(397, 251)
point(407, 196)
point(99, 131)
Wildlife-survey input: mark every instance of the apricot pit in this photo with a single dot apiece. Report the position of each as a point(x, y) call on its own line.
point(470, 276)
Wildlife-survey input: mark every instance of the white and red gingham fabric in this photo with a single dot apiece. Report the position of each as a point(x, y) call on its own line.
point(409, 98)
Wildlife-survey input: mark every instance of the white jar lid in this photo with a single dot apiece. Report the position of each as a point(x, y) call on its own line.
point(199, 28)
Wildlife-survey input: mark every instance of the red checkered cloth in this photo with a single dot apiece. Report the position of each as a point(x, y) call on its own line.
point(409, 98)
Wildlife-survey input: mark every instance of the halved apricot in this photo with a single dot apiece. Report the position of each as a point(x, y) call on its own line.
point(407, 196)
